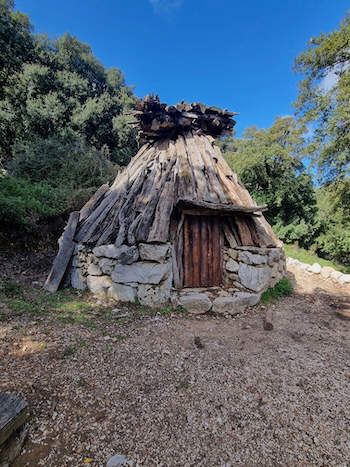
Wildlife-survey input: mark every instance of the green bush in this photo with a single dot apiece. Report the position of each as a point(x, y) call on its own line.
point(23, 203)
point(282, 288)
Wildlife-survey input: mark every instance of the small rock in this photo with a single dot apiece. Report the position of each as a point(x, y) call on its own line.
point(119, 460)
point(195, 302)
point(232, 265)
point(315, 268)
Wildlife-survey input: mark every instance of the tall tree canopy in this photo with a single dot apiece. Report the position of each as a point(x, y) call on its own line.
point(324, 100)
point(269, 164)
point(48, 87)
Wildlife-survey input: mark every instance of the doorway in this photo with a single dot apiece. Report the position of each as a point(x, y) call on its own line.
point(202, 251)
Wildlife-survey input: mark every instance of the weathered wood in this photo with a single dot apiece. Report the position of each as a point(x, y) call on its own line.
point(13, 413)
point(196, 251)
point(219, 207)
point(244, 231)
point(88, 207)
point(217, 253)
point(229, 235)
point(66, 247)
point(204, 251)
point(187, 261)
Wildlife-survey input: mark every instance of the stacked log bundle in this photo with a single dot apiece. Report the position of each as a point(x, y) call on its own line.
point(156, 120)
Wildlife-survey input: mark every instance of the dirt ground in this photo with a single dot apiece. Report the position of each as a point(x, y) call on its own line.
point(178, 390)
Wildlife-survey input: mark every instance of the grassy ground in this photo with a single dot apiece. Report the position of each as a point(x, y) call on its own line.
point(309, 258)
point(69, 306)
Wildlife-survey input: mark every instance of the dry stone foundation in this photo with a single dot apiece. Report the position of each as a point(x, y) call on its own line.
point(144, 273)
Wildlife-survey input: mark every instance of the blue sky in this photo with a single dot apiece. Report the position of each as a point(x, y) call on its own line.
point(235, 54)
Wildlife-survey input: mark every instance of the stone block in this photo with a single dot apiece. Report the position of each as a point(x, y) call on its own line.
point(235, 304)
point(326, 272)
point(99, 284)
point(155, 295)
point(250, 258)
point(254, 278)
point(94, 270)
point(232, 265)
point(122, 293)
point(274, 256)
point(344, 279)
point(315, 268)
point(77, 279)
point(232, 253)
point(152, 252)
point(107, 265)
point(196, 303)
point(124, 253)
point(141, 272)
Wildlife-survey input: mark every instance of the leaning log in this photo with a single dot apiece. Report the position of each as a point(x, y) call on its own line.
point(13, 414)
point(66, 247)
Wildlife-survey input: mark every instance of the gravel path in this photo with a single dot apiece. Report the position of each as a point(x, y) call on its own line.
point(187, 391)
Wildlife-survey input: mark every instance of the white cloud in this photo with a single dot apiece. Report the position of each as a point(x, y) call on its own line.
point(165, 6)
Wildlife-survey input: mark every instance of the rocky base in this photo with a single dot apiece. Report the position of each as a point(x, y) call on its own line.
point(144, 273)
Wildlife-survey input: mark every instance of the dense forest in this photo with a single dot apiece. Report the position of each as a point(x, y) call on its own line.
point(64, 131)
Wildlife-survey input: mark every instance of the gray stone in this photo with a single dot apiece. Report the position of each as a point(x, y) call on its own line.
point(254, 278)
point(232, 265)
point(151, 252)
point(235, 304)
point(155, 295)
point(122, 293)
point(94, 270)
point(232, 253)
point(344, 279)
point(107, 265)
point(250, 258)
point(196, 303)
point(118, 461)
point(99, 284)
point(126, 254)
point(254, 249)
point(274, 255)
point(335, 275)
point(315, 268)
point(326, 272)
point(77, 279)
point(274, 270)
point(141, 272)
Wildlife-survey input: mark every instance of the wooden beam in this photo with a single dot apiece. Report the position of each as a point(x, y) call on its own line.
point(219, 207)
point(66, 247)
point(13, 414)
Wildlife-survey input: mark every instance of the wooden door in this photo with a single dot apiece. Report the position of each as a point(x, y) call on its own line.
point(202, 260)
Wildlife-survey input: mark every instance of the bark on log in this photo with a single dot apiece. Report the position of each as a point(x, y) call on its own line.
point(66, 247)
point(13, 414)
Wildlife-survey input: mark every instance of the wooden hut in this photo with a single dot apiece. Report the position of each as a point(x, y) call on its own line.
point(176, 225)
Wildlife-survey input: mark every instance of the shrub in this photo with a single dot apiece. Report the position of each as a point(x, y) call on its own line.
point(283, 287)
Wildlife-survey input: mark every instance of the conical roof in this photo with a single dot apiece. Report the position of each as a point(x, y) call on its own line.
point(173, 173)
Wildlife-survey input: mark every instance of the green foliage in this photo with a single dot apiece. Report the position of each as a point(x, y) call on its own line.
point(48, 86)
point(334, 215)
point(324, 100)
point(23, 203)
point(310, 257)
point(269, 164)
point(282, 288)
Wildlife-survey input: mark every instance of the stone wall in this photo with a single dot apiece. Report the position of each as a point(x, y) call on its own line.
point(144, 273)
point(125, 273)
point(253, 269)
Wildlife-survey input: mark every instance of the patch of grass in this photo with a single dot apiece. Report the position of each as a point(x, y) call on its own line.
point(282, 288)
point(184, 385)
point(69, 351)
point(310, 258)
point(9, 289)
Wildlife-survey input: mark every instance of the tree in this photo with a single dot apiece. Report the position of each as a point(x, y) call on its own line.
point(269, 164)
point(324, 100)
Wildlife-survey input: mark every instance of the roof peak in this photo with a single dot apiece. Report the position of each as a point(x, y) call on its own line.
point(156, 120)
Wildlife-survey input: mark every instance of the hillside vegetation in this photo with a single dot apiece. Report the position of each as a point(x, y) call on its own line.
point(64, 131)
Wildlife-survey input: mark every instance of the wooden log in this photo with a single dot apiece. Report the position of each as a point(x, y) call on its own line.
point(187, 185)
point(188, 266)
point(159, 231)
point(244, 231)
point(204, 251)
point(220, 207)
point(217, 271)
point(66, 247)
point(196, 251)
point(253, 231)
point(229, 235)
point(180, 249)
point(88, 207)
point(14, 413)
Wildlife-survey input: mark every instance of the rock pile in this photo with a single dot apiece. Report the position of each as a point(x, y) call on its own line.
point(326, 272)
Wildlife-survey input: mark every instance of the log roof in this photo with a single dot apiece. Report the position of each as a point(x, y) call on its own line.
point(188, 170)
